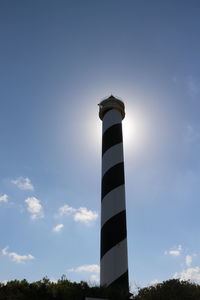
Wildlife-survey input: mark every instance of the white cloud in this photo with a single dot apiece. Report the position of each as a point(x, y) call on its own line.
point(86, 268)
point(154, 282)
point(84, 215)
point(65, 210)
point(192, 274)
point(58, 228)
point(93, 270)
point(94, 278)
point(4, 198)
point(34, 207)
point(81, 214)
point(53, 280)
point(16, 257)
point(175, 252)
point(188, 260)
point(23, 183)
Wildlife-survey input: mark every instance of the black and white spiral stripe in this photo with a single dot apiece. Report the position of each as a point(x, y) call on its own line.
point(114, 261)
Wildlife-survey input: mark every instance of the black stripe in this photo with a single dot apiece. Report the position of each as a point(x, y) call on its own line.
point(111, 137)
point(113, 232)
point(113, 178)
point(121, 283)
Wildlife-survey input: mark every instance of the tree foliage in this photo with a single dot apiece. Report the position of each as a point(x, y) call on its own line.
point(64, 289)
point(173, 289)
point(45, 289)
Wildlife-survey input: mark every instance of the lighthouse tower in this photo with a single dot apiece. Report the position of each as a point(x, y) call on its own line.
point(113, 260)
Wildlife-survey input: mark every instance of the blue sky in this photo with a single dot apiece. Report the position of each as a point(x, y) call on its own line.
point(58, 60)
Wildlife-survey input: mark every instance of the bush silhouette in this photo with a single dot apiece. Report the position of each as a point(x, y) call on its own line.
point(64, 289)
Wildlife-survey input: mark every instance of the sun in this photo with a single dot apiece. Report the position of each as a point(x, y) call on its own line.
point(134, 131)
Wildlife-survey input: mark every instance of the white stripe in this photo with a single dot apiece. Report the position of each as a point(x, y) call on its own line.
point(111, 118)
point(111, 157)
point(113, 203)
point(114, 263)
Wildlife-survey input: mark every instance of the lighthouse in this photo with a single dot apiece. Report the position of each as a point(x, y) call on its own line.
point(113, 252)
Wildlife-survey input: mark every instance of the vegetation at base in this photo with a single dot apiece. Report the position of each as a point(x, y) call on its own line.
point(64, 289)
point(173, 289)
